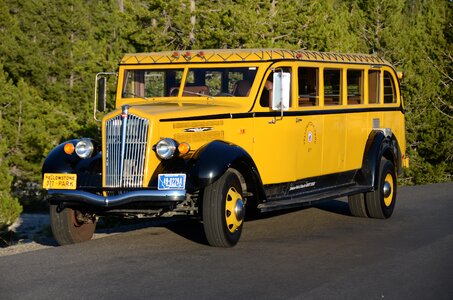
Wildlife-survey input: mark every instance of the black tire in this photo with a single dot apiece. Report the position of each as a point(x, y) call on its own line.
point(223, 211)
point(357, 205)
point(381, 202)
point(67, 227)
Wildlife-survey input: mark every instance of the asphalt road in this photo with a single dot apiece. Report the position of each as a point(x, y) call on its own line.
point(319, 252)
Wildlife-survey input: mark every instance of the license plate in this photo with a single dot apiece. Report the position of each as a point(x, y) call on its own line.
point(171, 181)
point(54, 181)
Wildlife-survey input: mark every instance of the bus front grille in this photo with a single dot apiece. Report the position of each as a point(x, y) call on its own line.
point(126, 140)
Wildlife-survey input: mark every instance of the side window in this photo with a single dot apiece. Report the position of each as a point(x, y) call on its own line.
point(389, 88)
point(308, 86)
point(373, 86)
point(355, 86)
point(266, 94)
point(332, 86)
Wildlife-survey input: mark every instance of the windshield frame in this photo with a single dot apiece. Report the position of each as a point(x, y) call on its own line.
point(260, 68)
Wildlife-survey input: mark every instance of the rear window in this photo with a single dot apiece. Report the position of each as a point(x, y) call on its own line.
point(389, 88)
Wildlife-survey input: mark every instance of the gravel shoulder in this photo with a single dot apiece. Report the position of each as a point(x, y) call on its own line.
point(32, 232)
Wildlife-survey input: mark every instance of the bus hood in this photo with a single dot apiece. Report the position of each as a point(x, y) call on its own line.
point(164, 111)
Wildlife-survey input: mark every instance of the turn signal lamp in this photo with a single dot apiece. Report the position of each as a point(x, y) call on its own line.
point(167, 148)
point(183, 148)
point(69, 148)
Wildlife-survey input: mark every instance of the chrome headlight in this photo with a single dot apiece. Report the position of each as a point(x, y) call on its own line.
point(166, 148)
point(84, 148)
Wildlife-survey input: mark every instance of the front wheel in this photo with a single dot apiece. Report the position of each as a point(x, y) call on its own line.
point(71, 226)
point(223, 211)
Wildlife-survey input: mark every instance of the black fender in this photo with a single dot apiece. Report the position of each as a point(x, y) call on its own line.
point(88, 170)
point(211, 161)
point(378, 146)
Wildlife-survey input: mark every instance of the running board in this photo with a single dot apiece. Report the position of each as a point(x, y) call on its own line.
point(308, 199)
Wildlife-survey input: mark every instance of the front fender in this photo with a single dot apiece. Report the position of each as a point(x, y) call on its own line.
point(210, 162)
point(213, 159)
point(89, 170)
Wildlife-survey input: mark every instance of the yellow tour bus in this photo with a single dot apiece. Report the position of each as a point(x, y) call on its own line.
point(224, 134)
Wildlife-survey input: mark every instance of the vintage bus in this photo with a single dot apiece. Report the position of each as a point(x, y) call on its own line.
point(222, 134)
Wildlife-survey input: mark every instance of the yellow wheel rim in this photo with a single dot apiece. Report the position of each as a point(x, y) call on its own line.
point(389, 180)
point(233, 207)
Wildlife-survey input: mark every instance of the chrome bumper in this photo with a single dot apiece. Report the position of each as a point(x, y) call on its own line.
point(75, 196)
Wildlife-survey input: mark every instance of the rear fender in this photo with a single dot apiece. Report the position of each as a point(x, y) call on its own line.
point(379, 145)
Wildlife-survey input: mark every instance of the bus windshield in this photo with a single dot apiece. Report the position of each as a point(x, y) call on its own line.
point(207, 82)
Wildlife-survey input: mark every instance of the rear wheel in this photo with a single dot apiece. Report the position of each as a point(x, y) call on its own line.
point(223, 211)
point(71, 226)
point(381, 202)
point(357, 205)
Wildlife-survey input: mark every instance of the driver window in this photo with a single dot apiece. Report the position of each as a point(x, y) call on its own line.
point(266, 94)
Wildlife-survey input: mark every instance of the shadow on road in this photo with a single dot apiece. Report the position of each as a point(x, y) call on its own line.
point(334, 206)
point(190, 228)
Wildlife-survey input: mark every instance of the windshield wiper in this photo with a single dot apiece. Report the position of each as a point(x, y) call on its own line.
point(197, 93)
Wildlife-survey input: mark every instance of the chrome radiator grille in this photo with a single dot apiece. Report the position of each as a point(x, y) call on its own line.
point(126, 137)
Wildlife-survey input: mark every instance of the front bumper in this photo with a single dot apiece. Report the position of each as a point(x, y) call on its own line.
point(82, 197)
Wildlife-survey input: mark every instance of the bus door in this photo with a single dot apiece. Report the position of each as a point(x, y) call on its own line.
point(275, 138)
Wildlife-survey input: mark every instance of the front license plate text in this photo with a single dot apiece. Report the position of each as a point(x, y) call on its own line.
point(171, 181)
point(55, 181)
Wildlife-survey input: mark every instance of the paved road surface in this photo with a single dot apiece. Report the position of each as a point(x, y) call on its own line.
point(318, 252)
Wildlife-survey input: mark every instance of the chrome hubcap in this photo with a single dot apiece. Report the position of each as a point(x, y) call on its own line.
point(234, 210)
point(387, 189)
point(239, 210)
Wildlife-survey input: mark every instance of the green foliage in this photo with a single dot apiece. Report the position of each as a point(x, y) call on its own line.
point(9, 206)
point(50, 52)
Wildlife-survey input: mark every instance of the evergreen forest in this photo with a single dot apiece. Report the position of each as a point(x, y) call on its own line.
point(50, 51)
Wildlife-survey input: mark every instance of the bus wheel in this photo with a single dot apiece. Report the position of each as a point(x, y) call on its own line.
point(71, 226)
point(381, 202)
point(357, 205)
point(223, 211)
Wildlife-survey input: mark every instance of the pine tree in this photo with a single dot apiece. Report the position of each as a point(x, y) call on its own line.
point(9, 206)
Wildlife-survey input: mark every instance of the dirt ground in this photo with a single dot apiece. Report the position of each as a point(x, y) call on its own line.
point(31, 232)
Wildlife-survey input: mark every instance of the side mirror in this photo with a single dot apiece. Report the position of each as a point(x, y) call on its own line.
point(102, 94)
point(281, 91)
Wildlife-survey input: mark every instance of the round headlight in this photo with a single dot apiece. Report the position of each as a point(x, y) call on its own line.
point(166, 148)
point(84, 148)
